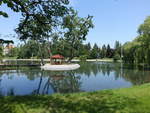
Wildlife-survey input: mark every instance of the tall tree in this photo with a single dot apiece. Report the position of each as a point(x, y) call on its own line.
point(76, 29)
point(87, 48)
point(103, 51)
point(40, 18)
point(108, 51)
point(138, 51)
point(117, 49)
point(95, 51)
point(144, 38)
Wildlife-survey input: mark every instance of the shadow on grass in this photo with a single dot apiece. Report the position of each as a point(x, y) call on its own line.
point(95, 102)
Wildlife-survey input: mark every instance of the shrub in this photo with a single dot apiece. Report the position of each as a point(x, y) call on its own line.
point(116, 57)
point(83, 58)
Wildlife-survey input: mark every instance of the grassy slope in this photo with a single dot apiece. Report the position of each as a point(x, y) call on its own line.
point(129, 100)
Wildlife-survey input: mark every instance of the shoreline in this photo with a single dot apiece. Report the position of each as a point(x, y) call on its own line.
point(124, 100)
point(73, 60)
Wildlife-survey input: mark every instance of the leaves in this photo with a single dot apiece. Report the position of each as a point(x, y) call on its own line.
point(3, 14)
point(75, 31)
point(137, 51)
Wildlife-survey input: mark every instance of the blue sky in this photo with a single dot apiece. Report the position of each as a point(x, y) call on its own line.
point(113, 19)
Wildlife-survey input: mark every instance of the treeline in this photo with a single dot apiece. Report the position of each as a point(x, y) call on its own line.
point(138, 51)
point(31, 50)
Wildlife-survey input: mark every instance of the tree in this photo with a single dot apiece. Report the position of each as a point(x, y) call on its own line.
point(88, 46)
point(28, 50)
point(13, 52)
point(144, 29)
point(40, 18)
point(5, 41)
point(87, 50)
point(76, 29)
point(103, 51)
point(117, 45)
point(144, 39)
point(29, 7)
point(138, 51)
point(95, 51)
point(117, 50)
point(43, 18)
point(1, 53)
point(130, 51)
point(108, 51)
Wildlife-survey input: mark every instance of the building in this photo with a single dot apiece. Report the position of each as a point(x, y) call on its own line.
point(7, 48)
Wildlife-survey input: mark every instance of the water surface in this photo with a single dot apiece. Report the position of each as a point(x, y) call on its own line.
point(91, 76)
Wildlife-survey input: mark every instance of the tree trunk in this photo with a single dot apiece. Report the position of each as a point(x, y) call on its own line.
point(49, 50)
point(41, 54)
point(71, 57)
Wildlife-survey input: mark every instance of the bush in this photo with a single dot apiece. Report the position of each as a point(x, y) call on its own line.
point(116, 57)
point(83, 58)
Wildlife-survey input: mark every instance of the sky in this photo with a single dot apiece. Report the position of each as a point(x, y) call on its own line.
point(113, 19)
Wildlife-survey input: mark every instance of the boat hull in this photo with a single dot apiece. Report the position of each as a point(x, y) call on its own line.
point(60, 67)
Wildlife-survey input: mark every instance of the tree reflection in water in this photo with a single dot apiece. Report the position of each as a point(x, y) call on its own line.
point(68, 83)
point(62, 82)
point(128, 72)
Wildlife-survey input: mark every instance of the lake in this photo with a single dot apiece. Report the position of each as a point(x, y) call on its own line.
point(91, 76)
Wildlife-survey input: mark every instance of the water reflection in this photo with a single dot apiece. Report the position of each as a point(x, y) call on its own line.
point(90, 76)
point(59, 83)
point(38, 82)
point(135, 76)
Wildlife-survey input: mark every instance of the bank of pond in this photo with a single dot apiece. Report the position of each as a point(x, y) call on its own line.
point(126, 100)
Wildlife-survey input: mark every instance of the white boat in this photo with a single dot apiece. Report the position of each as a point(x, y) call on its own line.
point(63, 67)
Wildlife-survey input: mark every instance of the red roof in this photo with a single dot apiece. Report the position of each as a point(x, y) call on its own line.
point(57, 57)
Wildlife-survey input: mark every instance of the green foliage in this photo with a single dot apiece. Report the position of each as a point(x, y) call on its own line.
point(26, 6)
point(6, 41)
point(144, 28)
point(1, 52)
point(83, 58)
point(3, 14)
point(84, 49)
point(76, 29)
point(39, 18)
point(31, 49)
point(103, 51)
point(138, 51)
point(13, 52)
point(116, 57)
point(95, 53)
point(109, 52)
point(130, 51)
point(28, 50)
point(69, 42)
point(118, 48)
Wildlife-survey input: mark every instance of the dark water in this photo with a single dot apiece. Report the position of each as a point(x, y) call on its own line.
point(91, 76)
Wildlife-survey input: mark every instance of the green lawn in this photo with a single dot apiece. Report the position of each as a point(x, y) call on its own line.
point(128, 100)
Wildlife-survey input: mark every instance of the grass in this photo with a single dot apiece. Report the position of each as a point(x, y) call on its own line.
point(128, 100)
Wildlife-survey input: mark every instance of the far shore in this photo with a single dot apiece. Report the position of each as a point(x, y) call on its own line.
point(74, 60)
